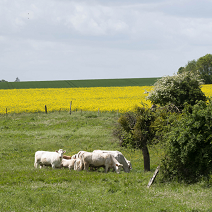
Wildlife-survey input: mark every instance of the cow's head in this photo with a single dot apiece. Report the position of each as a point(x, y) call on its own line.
point(60, 152)
point(73, 157)
point(118, 168)
point(129, 164)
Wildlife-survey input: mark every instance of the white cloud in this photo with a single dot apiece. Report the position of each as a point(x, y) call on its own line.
point(101, 39)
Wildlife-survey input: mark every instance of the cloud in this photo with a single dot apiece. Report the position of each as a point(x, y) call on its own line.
point(95, 38)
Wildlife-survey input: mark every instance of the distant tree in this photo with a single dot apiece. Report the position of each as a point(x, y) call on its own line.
point(181, 70)
point(17, 79)
point(3, 80)
point(177, 90)
point(203, 66)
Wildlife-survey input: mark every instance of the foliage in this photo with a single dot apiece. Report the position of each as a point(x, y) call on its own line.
point(164, 118)
point(203, 66)
point(189, 145)
point(3, 80)
point(177, 90)
point(190, 67)
point(134, 130)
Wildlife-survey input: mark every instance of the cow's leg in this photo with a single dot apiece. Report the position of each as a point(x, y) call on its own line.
point(86, 166)
point(106, 168)
point(53, 165)
point(36, 164)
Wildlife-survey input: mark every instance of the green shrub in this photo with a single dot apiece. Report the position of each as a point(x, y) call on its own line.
point(177, 90)
point(189, 145)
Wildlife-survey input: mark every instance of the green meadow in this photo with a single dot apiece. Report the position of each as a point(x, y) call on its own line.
point(25, 188)
point(79, 83)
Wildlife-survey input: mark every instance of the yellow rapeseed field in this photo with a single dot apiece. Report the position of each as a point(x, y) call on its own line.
point(87, 99)
point(207, 89)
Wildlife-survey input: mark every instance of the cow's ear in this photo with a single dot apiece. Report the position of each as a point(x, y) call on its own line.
point(64, 151)
point(56, 151)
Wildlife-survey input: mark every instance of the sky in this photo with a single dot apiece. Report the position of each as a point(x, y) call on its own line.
point(101, 39)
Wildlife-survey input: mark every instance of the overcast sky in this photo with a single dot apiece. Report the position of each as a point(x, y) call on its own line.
point(101, 39)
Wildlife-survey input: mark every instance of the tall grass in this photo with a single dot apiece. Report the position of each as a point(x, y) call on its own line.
point(24, 188)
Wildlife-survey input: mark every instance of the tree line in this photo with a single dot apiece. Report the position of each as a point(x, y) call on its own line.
point(202, 66)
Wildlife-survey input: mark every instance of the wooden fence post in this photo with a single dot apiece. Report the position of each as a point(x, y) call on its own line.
point(70, 107)
point(153, 178)
point(46, 109)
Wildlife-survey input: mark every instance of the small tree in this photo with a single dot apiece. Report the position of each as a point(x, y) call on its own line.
point(145, 127)
point(177, 90)
point(189, 145)
point(135, 130)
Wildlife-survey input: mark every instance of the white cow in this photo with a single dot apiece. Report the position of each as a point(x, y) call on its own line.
point(119, 157)
point(45, 158)
point(68, 163)
point(78, 155)
point(78, 164)
point(100, 160)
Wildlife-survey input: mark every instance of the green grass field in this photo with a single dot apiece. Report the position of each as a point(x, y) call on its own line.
point(79, 83)
point(25, 188)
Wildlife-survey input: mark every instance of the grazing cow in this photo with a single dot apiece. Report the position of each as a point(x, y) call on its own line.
point(100, 159)
point(68, 163)
point(45, 158)
point(78, 164)
point(67, 157)
point(78, 155)
point(119, 157)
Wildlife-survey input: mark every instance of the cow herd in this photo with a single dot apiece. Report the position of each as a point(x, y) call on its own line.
point(83, 160)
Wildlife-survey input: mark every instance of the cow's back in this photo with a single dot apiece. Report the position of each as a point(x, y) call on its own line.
point(118, 156)
point(100, 159)
point(95, 159)
point(49, 157)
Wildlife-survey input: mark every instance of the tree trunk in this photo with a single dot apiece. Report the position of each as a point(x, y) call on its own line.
point(146, 157)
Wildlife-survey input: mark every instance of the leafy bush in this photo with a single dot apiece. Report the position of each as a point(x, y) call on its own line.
point(189, 145)
point(178, 90)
